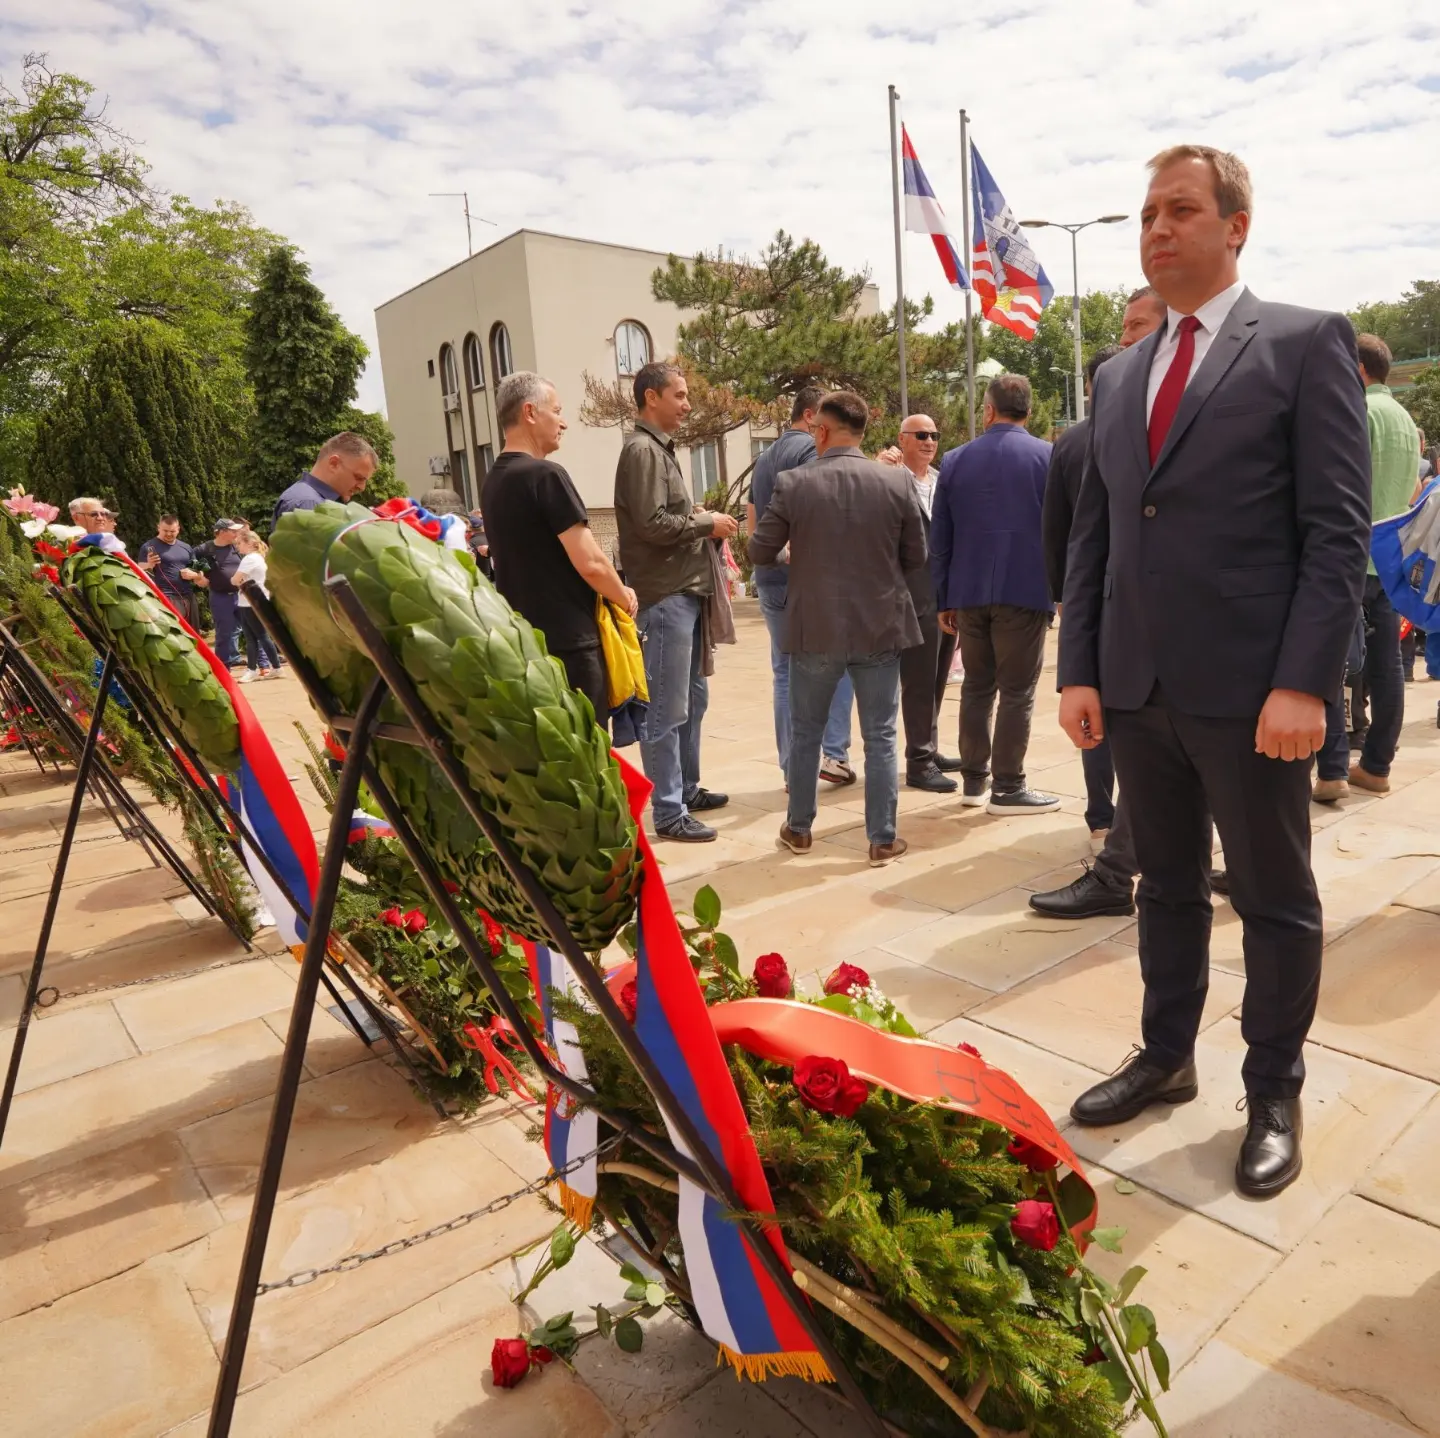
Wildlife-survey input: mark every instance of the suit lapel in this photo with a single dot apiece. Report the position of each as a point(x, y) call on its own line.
point(1132, 402)
point(1229, 344)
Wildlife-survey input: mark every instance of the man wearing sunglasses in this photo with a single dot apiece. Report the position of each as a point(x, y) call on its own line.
point(923, 669)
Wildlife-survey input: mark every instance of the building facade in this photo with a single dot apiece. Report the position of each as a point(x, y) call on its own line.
point(561, 307)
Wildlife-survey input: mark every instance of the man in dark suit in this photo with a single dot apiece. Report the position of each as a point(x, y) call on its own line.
point(1215, 568)
point(855, 533)
point(989, 569)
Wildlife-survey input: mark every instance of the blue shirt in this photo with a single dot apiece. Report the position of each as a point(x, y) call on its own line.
point(173, 558)
point(985, 530)
point(794, 448)
point(306, 493)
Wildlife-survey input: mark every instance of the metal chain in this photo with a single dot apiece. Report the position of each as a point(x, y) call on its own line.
point(399, 1245)
point(49, 996)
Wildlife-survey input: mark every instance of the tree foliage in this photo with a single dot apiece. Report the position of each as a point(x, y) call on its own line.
point(135, 425)
point(1423, 402)
point(303, 366)
point(1409, 325)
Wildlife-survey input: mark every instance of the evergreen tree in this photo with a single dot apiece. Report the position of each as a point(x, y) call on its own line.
point(135, 425)
point(303, 365)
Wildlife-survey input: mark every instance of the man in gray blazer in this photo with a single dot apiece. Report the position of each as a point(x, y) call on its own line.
point(1215, 569)
point(855, 533)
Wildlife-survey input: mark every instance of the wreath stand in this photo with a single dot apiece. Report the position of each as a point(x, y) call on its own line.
point(422, 731)
point(192, 773)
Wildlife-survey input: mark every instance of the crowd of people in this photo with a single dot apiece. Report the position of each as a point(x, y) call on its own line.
point(1203, 537)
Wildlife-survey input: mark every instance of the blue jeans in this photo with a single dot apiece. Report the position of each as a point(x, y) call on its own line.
point(679, 694)
point(835, 743)
point(223, 607)
point(1384, 679)
point(813, 681)
point(1333, 760)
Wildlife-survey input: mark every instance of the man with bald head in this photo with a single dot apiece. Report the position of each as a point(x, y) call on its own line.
point(923, 669)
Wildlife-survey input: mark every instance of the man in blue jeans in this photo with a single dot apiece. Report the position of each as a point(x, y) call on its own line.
point(794, 448)
point(217, 562)
point(663, 534)
point(851, 618)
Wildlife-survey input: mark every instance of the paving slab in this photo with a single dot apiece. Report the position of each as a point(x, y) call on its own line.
point(62, 1043)
point(187, 1008)
point(1407, 1175)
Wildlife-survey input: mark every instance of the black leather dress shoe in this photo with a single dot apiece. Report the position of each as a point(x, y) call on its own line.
point(1270, 1155)
point(1087, 897)
point(1219, 881)
point(946, 765)
point(1133, 1088)
point(930, 779)
point(706, 799)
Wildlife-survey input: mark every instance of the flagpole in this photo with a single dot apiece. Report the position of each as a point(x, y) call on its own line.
point(899, 255)
point(969, 264)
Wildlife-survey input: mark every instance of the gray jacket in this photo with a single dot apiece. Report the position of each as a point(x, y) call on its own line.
point(856, 536)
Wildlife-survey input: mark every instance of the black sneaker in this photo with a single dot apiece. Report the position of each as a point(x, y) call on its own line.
point(1022, 801)
point(931, 780)
point(1088, 897)
point(706, 799)
point(686, 830)
point(975, 792)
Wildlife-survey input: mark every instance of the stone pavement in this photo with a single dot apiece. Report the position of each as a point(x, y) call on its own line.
point(125, 1179)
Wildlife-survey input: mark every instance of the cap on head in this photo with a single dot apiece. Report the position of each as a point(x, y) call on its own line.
point(227, 524)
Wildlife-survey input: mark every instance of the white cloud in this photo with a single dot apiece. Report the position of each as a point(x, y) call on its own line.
point(683, 125)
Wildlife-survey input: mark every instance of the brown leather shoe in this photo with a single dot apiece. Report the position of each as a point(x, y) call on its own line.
point(796, 843)
point(881, 854)
point(1361, 778)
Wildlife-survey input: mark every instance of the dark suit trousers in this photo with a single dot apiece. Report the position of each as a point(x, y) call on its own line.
point(923, 671)
point(1176, 771)
point(1003, 648)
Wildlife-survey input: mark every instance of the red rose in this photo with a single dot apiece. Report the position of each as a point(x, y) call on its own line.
point(451, 887)
point(969, 1049)
point(629, 998)
point(541, 1355)
point(494, 934)
point(1035, 1158)
point(393, 917)
point(415, 922)
point(509, 1361)
point(828, 1087)
point(772, 977)
point(1035, 1223)
point(845, 978)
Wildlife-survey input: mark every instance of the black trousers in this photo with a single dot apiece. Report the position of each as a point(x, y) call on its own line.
point(585, 669)
point(923, 672)
point(1003, 647)
point(1176, 771)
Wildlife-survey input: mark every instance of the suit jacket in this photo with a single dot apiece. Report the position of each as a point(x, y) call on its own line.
point(855, 532)
point(985, 524)
point(1235, 564)
point(1062, 490)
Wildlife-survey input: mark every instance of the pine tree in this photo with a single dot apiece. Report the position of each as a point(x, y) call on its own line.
point(134, 424)
point(303, 364)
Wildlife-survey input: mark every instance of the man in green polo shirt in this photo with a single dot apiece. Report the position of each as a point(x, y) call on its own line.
point(1394, 463)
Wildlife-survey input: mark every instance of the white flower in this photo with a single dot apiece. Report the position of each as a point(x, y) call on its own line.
point(32, 528)
point(65, 532)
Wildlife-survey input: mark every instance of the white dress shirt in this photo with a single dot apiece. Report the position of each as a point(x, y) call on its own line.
point(1212, 315)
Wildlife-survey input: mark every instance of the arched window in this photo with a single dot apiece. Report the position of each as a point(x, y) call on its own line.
point(501, 360)
point(632, 348)
point(449, 379)
point(474, 363)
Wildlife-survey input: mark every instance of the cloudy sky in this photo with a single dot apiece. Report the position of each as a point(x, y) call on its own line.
point(677, 125)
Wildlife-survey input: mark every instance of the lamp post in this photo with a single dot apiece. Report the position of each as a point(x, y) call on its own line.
point(1065, 380)
point(1075, 278)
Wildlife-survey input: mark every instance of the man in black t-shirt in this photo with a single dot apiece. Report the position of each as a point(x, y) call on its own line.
point(218, 560)
point(547, 563)
point(168, 560)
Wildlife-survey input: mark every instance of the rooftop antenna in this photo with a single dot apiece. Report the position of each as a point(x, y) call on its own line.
point(462, 195)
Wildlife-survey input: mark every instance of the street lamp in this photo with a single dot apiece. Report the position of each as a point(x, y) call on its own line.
point(1075, 275)
point(1065, 379)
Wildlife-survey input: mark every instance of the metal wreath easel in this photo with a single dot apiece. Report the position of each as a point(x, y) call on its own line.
point(423, 732)
point(193, 775)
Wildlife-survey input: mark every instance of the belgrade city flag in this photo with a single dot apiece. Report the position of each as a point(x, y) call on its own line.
point(924, 215)
point(1009, 281)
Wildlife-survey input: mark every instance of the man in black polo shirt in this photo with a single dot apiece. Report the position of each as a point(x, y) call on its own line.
point(547, 563)
point(217, 561)
point(168, 560)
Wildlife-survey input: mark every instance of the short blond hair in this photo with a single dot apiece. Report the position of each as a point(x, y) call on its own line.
point(1233, 192)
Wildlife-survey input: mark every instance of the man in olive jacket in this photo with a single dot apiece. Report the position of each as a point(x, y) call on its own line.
point(663, 534)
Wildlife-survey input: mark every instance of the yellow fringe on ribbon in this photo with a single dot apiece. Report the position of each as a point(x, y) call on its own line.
point(577, 1207)
point(757, 1367)
point(297, 951)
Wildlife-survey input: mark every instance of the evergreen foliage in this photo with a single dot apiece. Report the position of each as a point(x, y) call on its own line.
point(136, 426)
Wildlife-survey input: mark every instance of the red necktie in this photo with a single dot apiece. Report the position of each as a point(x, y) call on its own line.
point(1172, 387)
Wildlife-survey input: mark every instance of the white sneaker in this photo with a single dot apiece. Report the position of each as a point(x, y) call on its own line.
point(249, 676)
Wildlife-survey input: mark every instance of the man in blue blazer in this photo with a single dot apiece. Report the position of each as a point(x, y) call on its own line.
point(987, 558)
point(1215, 570)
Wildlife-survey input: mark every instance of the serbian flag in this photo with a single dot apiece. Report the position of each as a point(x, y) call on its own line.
point(569, 1130)
point(1009, 281)
point(924, 215)
point(368, 826)
point(735, 1297)
point(262, 798)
